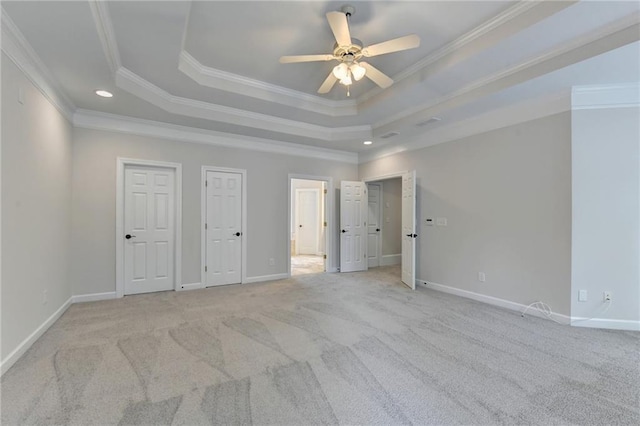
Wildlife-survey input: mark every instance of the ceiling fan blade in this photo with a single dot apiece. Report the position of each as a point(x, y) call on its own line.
point(328, 84)
point(340, 27)
point(395, 45)
point(377, 76)
point(305, 58)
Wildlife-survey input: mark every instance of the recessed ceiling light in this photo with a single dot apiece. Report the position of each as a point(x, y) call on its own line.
point(367, 142)
point(104, 93)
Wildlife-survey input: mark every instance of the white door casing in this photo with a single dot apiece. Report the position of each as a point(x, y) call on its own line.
point(149, 224)
point(307, 220)
point(353, 226)
point(223, 228)
point(374, 224)
point(409, 229)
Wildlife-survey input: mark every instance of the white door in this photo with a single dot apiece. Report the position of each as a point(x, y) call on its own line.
point(223, 228)
point(353, 226)
point(373, 224)
point(409, 229)
point(308, 221)
point(149, 223)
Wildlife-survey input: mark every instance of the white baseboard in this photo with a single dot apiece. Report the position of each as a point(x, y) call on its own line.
point(93, 297)
point(495, 301)
point(606, 323)
point(262, 278)
point(333, 269)
point(390, 259)
point(26, 343)
point(192, 286)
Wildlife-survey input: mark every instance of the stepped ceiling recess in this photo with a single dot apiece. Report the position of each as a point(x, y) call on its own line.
point(213, 66)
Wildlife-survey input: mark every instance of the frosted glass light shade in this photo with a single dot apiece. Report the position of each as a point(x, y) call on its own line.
point(340, 71)
point(357, 71)
point(346, 80)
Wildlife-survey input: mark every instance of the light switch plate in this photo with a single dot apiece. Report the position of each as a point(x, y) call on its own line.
point(428, 222)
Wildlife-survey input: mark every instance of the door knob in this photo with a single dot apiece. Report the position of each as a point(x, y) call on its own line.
point(344, 230)
point(409, 235)
point(377, 229)
point(129, 236)
point(299, 226)
point(237, 234)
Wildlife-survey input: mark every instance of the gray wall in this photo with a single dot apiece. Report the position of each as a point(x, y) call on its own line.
point(93, 206)
point(606, 211)
point(507, 197)
point(36, 208)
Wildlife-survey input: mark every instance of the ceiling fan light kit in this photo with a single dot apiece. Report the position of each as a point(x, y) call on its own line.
point(349, 53)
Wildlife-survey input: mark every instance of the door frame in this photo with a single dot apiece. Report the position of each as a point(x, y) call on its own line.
point(121, 164)
point(380, 216)
point(203, 218)
point(329, 214)
point(317, 193)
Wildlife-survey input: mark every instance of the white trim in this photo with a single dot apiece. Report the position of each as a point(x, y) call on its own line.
point(203, 218)
point(263, 278)
point(612, 324)
point(329, 216)
point(26, 343)
point(144, 89)
point(463, 42)
point(93, 297)
point(509, 115)
point(192, 286)
point(18, 49)
point(390, 259)
point(117, 123)
point(605, 96)
point(229, 82)
point(608, 37)
point(106, 33)
point(121, 163)
point(387, 176)
point(495, 301)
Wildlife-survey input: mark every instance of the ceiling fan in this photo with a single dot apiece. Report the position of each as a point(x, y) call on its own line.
point(349, 53)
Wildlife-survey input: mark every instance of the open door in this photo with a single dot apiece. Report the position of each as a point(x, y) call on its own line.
point(409, 229)
point(353, 226)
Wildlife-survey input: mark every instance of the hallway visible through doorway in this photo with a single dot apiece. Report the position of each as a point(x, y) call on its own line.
point(308, 226)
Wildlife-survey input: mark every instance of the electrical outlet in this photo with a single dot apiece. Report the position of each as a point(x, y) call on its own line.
point(44, 297)
point(272, 262)
point(606, 296)
point(441, 221)
point(582, 296)
point(481, 277)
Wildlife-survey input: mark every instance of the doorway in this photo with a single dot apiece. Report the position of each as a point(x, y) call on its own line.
point(148, 226)
point(308, 222)
point(385, 223)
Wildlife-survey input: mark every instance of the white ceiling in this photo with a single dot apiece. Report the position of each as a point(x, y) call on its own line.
point(214, 64)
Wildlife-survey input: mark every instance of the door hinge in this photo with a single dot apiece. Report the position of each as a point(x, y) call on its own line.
point(205, 268)
point(205, 226)
point(206, 183)
point(325, 191)
point(325, 256)
point(325, 224)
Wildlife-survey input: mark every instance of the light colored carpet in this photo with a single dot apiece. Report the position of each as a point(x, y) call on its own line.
point(303, 264)
point(356, 348)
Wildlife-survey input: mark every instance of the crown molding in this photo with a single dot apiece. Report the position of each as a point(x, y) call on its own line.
point(116, 123)
point(229, 82)
point(106, 33)
point(138, 86)
point(466, 45)
point(18, 49)
point(605, 96)
point(609, 37)
point(531, 109)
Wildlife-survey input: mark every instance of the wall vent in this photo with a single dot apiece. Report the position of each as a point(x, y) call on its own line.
point(429, 121)
point(389, 135)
